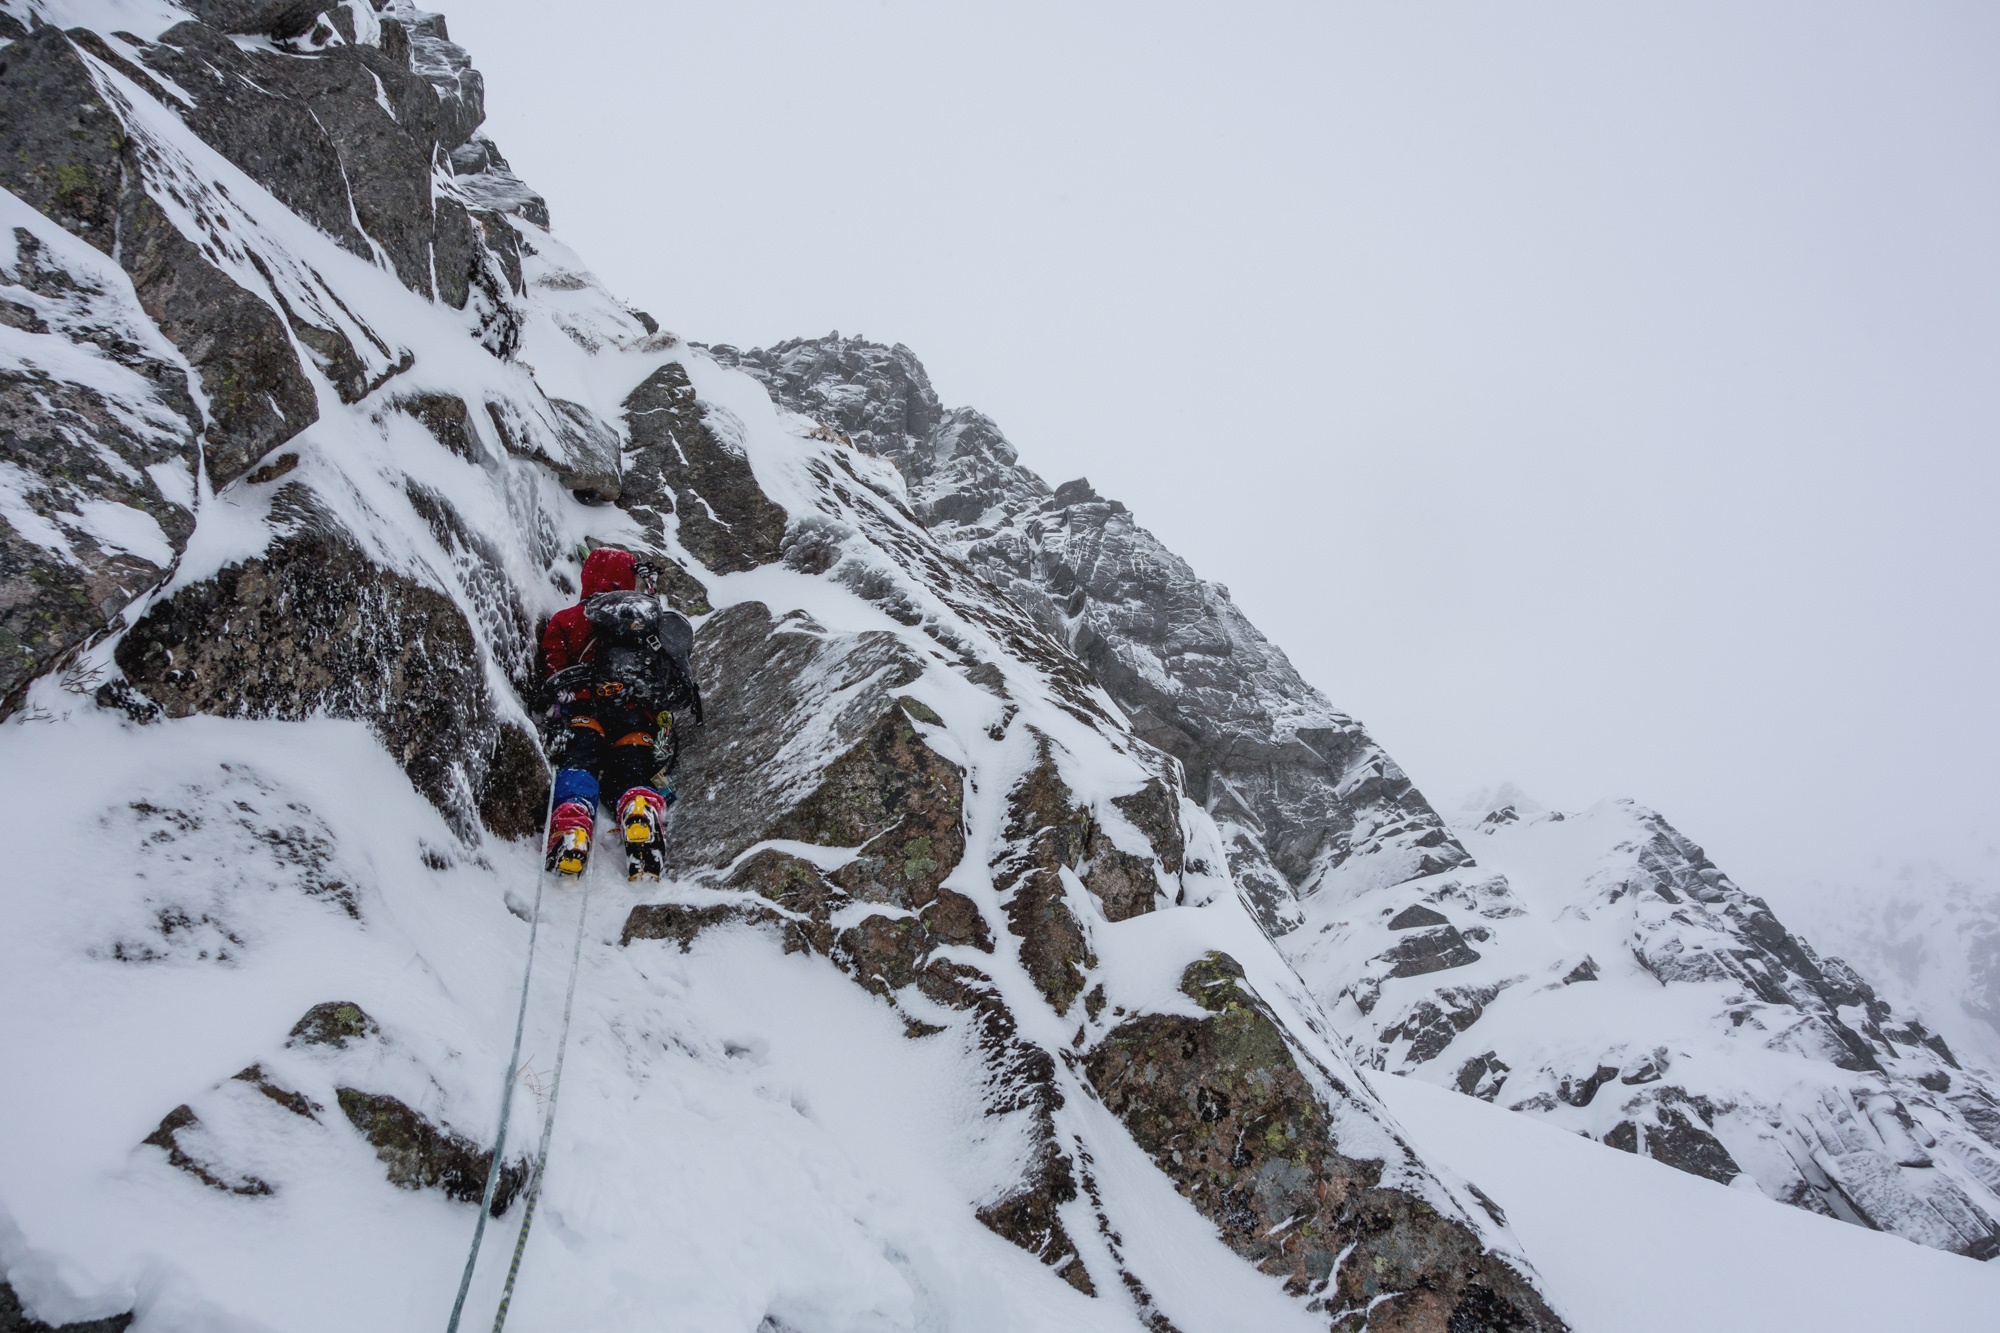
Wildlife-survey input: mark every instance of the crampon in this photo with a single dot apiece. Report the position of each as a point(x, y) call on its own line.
point(569, 839)
point(639, 816)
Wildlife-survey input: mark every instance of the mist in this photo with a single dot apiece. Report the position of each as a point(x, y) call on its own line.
point(1601, 400)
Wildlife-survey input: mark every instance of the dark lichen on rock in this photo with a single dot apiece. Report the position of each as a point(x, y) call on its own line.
point(417, 1154)
point(295, 1102)
point(1048, 832)
point(314, 626)
point(1222, 1106)
point(334, 1023)
point(897, 800)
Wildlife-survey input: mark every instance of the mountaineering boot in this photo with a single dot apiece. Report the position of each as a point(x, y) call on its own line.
point(639, 812)
point(569, 852)
point(569, 838)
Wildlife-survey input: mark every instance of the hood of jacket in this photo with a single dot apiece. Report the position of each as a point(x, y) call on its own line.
point(608, 569)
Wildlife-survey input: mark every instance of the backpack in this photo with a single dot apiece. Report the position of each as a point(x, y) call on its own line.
point(646, 648)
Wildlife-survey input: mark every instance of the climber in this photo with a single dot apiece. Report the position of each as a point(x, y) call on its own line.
point(616, 666)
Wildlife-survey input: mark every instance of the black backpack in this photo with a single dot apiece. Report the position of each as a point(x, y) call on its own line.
point(646, 648)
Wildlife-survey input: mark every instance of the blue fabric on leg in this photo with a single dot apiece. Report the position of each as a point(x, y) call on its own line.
point(576, 784)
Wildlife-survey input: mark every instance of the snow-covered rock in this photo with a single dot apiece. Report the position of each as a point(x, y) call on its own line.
point(950, 1013)
point(95, 483)
point(1304, 798)
point(1596, 969)
point(1930, 940)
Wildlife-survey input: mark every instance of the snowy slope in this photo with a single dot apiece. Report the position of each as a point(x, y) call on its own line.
point(1597, 971)
point(1633, 1247)
point(745, 1133)
point(950, 1015)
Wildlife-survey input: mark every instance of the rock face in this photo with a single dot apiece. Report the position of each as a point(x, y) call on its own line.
point(97, 437)
point(314, 627)
point(75, 160)
point(682, 474)
point(97, 419)
point(282, 19)
point(1307, 801)
point(345, 139)
point(418, 1155)
point(760, 669)
point(1930, 936)
point(1224, 1107)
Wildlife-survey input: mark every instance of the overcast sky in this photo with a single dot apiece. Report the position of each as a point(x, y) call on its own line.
point(1605, 398)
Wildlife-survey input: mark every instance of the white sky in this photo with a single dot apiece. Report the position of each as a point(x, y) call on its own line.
point(1601, 398)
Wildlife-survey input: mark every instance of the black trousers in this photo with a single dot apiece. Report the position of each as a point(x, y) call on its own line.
point(612, 743)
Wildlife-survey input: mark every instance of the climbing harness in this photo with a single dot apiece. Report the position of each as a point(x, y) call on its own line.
point(507, 1095)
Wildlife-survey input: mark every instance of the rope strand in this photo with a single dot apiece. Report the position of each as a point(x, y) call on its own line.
point(549, 1118)
point(507, 1088)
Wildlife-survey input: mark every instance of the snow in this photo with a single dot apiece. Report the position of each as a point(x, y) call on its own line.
point(1664, 1016)
point(770, 1175)
point(1928, 936)
point(1627, 1245)
point(123, 528)
point(16, 483)
point(142, 18)
point(102, 303)
point(744, 1134)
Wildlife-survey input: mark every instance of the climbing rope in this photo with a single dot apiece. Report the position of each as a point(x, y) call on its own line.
point(513, 1072)
point(549, 1116)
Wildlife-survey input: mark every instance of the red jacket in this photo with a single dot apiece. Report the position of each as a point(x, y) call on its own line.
point(567, 639)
